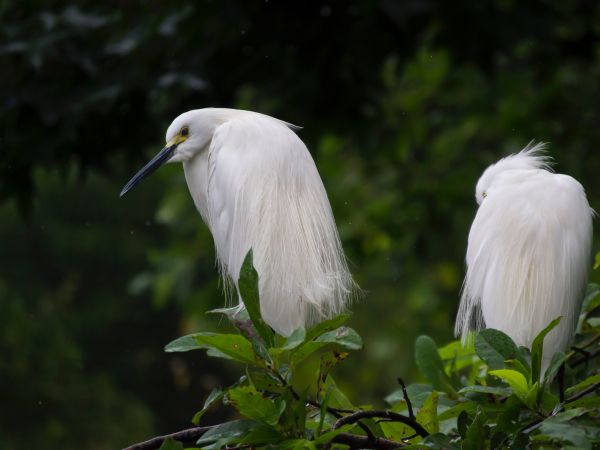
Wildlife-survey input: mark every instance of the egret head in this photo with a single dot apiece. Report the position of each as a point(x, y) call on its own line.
point(189, 134)
point(530, 158)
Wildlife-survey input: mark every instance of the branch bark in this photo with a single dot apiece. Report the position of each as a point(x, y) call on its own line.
point(585, 358)
point(411, 413)
point(189, 435)
point(355, 442)
point(571, 399)
point(382, 414)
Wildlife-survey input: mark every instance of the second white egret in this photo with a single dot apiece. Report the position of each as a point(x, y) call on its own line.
point(528, 253)
point(256, 186)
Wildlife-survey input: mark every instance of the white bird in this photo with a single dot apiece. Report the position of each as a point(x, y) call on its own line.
point(528, 253)
point(256, 186)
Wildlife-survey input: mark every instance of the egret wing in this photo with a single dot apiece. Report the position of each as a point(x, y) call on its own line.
point(264, 193)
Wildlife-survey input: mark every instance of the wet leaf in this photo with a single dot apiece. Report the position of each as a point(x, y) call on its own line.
point(537, 349)
point(494, 347)
point(430, 364)
point(251, 404)
point(248, 287)
point(230, 346)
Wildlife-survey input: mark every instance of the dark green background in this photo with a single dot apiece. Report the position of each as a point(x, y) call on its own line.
point(403, 105)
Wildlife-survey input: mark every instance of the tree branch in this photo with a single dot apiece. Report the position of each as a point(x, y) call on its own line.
point(364, 442)
point(586, 355)
point(390, 415)
point(411, 413)
point(189, 435)
point(571, 399)
point(337, 413)
point(585, 358)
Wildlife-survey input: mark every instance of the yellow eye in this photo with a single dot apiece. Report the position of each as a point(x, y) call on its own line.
point(484, 194)
point(185, 131)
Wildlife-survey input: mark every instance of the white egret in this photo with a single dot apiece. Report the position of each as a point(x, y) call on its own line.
point(528, 253)
point(256, 186)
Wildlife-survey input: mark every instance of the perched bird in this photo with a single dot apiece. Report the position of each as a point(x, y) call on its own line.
point(256, 186)
point(529, 251)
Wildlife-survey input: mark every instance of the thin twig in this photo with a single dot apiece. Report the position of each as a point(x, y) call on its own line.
point(337, 413)
point(587, 357)
point(411, 414)
point(396, 417)
point(333, 411)
point(583, 393)
point(580, 349)
point(189, 435)
point(561, 406)
point(355, 442)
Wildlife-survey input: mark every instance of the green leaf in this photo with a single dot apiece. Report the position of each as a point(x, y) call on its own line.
point(477, 433)
point(494, 347)
point(183, 344)
point(325, 326)
point(585, 402)
point(459, 355)
point(293, 418)
point(295, 339)
point(264, 380)
point(328, 362)
point(329, 435)
point(323, 410)
point(507, 419)
point(337, 399)
point(230, 346)
point(427, 415)
point(597, 261)
point(295, 444)
point(516, 380)
point(558, 359)
point(262, 435)
point(228, 432)
point(248, 287)
point(343, 336)
point(515, 364)
point(396, 431)
point(562, 427)
point(583, 385)
point(234, 314)
point(436, 441)
point(251, 404)
point(430, 364)
point(537, 349)
point(462, 424)
point(594, 322)
point(214, 396)
point(171, 444)
point(417, 393)
point(494, 390)
point(239, 317)
point(498, 439)
point(591, 301)
point(546, 399)
point(455, 410)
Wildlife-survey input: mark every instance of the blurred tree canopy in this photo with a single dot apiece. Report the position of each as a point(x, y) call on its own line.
point(403, 105)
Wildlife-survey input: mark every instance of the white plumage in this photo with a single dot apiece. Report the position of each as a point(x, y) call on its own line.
point(529, 251)
point(256, 186)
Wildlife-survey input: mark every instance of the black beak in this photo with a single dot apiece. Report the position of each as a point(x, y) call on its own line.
point(162, 157)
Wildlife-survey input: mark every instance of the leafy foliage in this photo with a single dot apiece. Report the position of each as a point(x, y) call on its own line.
point(489, 395)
